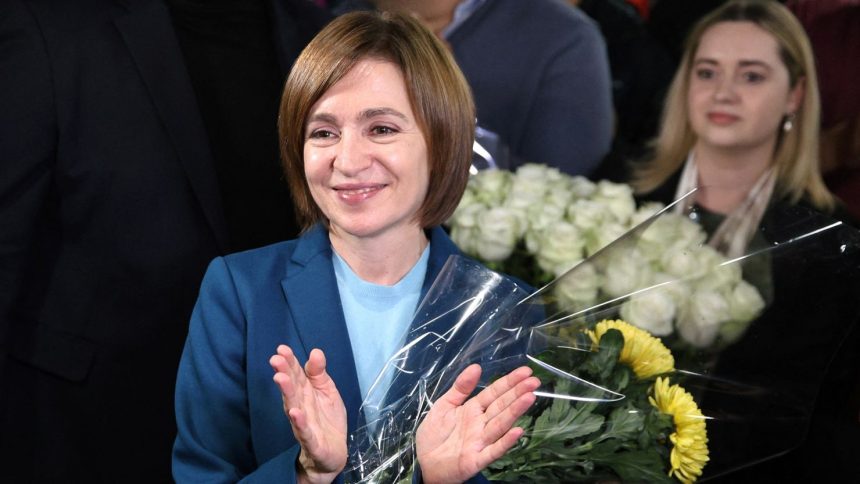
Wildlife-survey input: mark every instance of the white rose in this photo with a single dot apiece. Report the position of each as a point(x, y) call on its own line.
point(676, 288)
point(522, 196)
point(582, 187)
point(605, 235)
point(656, 237)
point(588, 214)
point(652, 311)
point(577, 288)
point(467, 200)
point(626, 271)
point(745, 302)
point(646, 211)
point(468, 215)
point(466, 238)
point(558, 194)
point(687, 231)
point(533, 239)
point(560, 244)
point(464, 227)
point(680, 261)
point(718, 274)
point(538, 172)
point(497, 234)
point(491, 186)
point(618, 197)
point(542, 216)
point(700, 320)
point(530, 182)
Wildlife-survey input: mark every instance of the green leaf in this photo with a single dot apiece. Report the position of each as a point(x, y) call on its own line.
point(625, 423)
point(602, 362)
point(640, 466)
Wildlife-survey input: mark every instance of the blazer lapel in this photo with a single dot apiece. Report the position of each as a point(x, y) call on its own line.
point(147, 31)
point(311, 292)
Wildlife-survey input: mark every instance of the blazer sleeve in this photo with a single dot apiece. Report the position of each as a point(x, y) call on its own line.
point(28, 145)
point(213, 442)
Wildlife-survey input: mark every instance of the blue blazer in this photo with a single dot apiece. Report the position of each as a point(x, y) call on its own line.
point(231, 423)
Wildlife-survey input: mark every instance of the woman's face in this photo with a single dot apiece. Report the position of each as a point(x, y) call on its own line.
point(365, 157)
point(739, 88)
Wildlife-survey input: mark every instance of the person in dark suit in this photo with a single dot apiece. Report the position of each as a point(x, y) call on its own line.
point(376, 162)
point(137, 142)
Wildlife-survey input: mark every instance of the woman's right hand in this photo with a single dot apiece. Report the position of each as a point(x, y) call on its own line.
point(316, 412)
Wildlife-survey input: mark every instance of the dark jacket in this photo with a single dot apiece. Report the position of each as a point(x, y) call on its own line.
point(781, 402)
point(109, 213)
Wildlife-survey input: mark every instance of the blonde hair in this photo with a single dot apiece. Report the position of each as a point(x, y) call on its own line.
point(438, 93)
point(795, 158)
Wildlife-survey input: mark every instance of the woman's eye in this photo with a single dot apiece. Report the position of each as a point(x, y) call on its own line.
point(321, 134)
point(382, 130)
point(705, 74)
point(753, 77)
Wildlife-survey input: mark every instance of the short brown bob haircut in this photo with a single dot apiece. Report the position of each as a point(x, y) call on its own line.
point(438, 93)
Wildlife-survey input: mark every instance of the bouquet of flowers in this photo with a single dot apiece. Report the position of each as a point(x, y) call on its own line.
point(615, 402)
point(627, 421)
point(537, 223)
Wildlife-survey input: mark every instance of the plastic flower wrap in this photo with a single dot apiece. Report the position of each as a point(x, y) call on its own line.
point(538, 222)
point(731, 382)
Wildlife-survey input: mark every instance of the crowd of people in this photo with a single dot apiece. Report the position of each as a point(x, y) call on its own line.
point(200, 197)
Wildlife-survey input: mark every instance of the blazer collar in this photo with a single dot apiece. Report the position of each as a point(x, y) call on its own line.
point(311, 292)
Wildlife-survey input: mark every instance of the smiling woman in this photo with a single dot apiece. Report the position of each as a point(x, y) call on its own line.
point(366, 164)
point(740, 126)
point(377, 125)
point(741, 118)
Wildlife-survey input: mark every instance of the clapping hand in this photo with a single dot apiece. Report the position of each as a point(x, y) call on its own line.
point(460, 436)
point(316, 412)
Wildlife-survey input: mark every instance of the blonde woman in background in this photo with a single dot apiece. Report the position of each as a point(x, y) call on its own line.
point(741, 122)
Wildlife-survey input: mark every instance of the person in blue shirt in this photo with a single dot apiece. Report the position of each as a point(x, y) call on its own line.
point(376, 127)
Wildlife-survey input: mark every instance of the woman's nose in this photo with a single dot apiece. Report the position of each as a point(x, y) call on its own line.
point(725, 89)
point(352, 155)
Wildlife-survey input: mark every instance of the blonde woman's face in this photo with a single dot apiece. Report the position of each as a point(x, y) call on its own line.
point(739, 88)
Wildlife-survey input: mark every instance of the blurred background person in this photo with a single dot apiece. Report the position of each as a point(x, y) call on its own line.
point(538, 70)
point(138, 142)
point(741, 121)
point(641, 70)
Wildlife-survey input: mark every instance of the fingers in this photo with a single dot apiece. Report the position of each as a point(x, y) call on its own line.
point(500, 425)
point(288, 374)
point(504, 392)
point(315, 367)
point(511, 397)
point(463, 386)
point(500, 390)
point(497, 449)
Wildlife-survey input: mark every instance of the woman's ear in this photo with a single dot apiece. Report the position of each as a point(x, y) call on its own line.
point(795, 96)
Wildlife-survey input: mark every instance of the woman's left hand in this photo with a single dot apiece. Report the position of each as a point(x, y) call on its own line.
point(460, 436)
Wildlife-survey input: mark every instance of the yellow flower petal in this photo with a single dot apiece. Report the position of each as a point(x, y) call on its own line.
point(690, 451)
point(645, 354)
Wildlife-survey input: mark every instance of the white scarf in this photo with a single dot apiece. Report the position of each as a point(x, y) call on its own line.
point(739, 227)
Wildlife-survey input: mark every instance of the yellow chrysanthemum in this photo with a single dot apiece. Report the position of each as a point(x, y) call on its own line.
point(690, 439)
point(642, 352)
